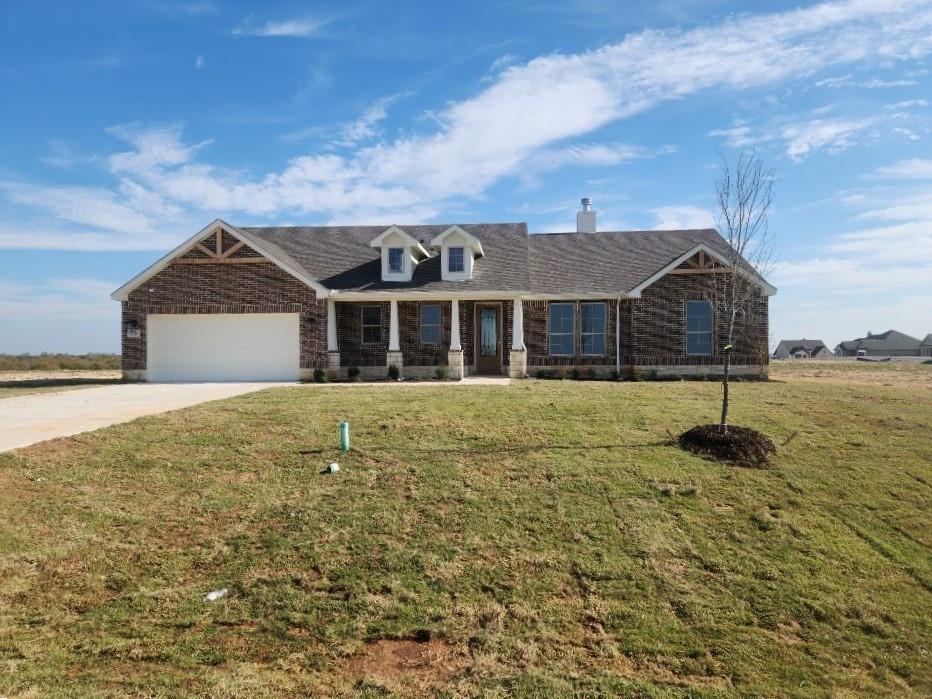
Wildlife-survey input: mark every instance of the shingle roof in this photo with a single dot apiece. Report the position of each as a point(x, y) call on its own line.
point(339, 257)
point(792, 346)
point(889, 340)
point(927, 341)
point(610, 262)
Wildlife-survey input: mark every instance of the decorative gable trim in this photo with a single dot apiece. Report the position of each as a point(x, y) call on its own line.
point(471, 240)
point(707, 268)
point(215, 228)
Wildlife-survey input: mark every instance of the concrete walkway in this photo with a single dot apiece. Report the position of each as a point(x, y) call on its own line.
point(28, 419)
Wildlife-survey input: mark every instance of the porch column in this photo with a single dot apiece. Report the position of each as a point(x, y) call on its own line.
point(455, 364)
point(394, 356)
point(333, 349)
point(517, 364)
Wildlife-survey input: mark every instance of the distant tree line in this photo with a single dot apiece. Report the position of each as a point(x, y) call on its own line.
point(58, 362)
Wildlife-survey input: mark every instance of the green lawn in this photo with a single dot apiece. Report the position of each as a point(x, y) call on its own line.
point(546, 535)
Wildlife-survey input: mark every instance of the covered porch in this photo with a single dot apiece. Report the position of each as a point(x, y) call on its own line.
point(425, 337)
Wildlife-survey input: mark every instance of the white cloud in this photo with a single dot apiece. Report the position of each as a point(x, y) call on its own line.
point(58, 299)
point(526, 110)
point(912, 168)
point(198, 62)
point(872, 84)
point(682, 217)
point(298, 28)
point(834, 134)
point(800, 136)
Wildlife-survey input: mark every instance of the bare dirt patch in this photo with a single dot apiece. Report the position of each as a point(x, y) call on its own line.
point(394, 660)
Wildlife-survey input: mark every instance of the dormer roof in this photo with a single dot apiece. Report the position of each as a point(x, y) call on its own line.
point(409, 241)
point(471, 240)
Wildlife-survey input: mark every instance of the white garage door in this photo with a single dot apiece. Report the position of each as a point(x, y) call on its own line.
point(223, 347)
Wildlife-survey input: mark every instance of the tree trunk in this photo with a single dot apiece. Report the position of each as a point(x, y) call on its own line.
point(723, 424)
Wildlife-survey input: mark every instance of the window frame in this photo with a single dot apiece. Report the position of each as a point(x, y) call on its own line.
point(603, 333)
point(571, 333)
point(710, 332)
point(422, 325)
point(462, 260)
point(363, 325)
point(401, 269)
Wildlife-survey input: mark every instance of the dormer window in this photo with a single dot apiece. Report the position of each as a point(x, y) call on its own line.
point(459, 250)
point(396, 260)
point(400, 254)
point(455, 259)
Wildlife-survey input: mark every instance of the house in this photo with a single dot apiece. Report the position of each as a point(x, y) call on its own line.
point(887, 344)
point(801, 349)
point(925, 347)
point(276, 303)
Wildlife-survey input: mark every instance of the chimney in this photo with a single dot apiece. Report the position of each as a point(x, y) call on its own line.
point(585, 218)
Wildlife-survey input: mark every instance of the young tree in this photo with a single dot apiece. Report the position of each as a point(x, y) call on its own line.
point(744, 193)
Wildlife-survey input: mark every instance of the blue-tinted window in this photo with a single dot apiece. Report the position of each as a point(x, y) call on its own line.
point(371, 325)
point(592, 328)
point(396, 259)
point(698, 327)
point(430, 325)
point(455, 260)
point(561, 326)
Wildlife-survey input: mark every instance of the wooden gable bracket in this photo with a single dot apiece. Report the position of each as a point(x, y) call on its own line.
point(218, 255)
point(700, 263)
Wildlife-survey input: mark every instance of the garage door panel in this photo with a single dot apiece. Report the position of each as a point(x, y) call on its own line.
point(223, 347)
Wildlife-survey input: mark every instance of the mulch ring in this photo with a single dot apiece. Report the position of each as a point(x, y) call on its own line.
point(738, 445)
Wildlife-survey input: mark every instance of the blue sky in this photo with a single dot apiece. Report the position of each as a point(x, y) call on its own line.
point(130, 125)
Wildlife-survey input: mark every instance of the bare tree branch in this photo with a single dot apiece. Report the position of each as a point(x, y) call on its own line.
point(744, 195)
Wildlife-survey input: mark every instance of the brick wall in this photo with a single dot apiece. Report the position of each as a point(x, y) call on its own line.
point(653, 328)
point(415, 352)
point(538, 345)
point(349, 335)
point(255, 287)
point(655, 331)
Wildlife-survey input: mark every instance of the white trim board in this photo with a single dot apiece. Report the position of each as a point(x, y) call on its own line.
point(122, 294)
point(662, 272)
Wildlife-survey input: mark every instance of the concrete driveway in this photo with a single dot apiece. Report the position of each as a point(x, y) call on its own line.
point(28, 419)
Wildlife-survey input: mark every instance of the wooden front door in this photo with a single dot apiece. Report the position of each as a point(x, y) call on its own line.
point(488, 338)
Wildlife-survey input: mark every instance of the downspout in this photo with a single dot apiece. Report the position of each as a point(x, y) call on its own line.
point(618, 336)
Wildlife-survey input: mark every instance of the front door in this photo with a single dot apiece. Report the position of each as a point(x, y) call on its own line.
point(489, 336)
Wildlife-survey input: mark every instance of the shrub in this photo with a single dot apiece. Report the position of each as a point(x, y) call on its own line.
point(320, 376)
point(590, 374)
point(616, 375)
point(393, 372)
point(574, 374)
point(441, 372)
point(353, 373)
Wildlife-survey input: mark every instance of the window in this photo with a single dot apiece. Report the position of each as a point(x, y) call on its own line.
point(455, 261)
point(592, 328)
point(562, 321)
point(698, 327)
point(430, 325)
point(396, 260)
point(371, 325)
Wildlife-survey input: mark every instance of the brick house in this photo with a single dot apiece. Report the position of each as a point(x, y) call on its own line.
point(244, 303)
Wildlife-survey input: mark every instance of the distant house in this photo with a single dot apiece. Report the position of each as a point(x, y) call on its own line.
point(887, 344)
point(801, 349)
point(925, 347)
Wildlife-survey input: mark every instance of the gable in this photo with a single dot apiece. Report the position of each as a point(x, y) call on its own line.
point(702, 259)
point(221, 243)
point(220, 247)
